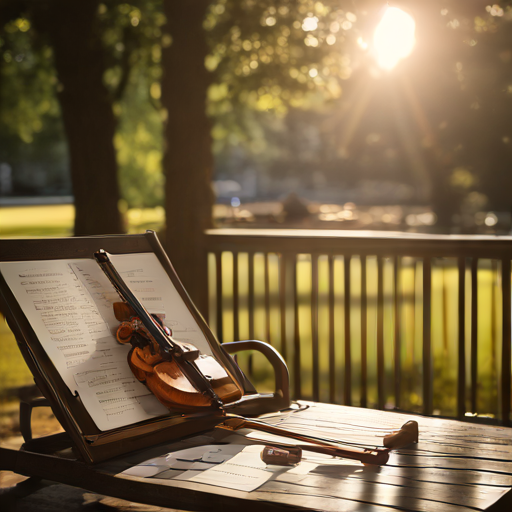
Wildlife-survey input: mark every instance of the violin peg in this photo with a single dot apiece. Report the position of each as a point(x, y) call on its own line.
point(406, 435)
point(124, 333)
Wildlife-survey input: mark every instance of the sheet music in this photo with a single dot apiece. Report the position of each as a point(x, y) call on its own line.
point(69, 305)
point(234, 466)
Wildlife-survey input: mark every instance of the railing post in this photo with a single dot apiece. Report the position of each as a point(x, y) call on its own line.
point(427, 342)
point(314, 326)
point(474, 333)
point(283, 269)
point(267, 299)
point(461, 373)
point(397, 340)
point(347, 388)
point(332, 352)
point(364, 334)
point(250, 305)
point(203, 299)
point(506, 349)
point(218, 275)
point(236, 318)
point(296, 335)
point(380, 334)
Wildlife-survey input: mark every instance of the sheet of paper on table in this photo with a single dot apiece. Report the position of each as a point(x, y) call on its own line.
point(69, 305)
point(232, 466)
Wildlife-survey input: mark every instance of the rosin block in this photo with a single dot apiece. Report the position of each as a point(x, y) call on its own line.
point(281, 457)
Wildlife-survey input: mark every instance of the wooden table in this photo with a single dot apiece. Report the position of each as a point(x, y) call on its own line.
point(455, 466)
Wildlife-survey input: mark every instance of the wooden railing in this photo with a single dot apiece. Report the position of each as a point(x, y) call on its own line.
point(387, 320)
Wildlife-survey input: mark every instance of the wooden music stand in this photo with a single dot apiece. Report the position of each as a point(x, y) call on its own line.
point(92, 444)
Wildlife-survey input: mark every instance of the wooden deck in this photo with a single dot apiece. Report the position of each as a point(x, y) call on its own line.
point(456, 466)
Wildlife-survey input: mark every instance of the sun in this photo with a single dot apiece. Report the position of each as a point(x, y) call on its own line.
point(393, 38)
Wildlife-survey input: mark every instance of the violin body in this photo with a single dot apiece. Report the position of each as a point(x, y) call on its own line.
point(164, 376)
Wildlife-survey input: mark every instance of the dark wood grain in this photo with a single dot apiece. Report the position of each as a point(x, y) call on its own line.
point(455, 467)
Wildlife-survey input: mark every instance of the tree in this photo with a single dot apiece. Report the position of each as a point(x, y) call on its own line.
point(84, 55)
point(89, 121)
point(188, 158)
point(270, 28)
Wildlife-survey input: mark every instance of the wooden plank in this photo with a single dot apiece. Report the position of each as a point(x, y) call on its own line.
point(381, 390)
point(364, 334)
point(373, 488)
point(427, 343)
point(379, 494)
point(332, 353)
point(347, 388)
point(461, 358)
point(506, 341)
point(456, 463)
point(314, 327)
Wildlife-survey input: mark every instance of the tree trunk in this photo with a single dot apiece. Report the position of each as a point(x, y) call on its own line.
point(86, 106)
point(188, 157)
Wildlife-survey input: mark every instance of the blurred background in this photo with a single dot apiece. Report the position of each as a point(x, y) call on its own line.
point(182, 116)
point(310, 125)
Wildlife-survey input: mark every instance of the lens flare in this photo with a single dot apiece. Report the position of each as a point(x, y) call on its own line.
point(393, 38)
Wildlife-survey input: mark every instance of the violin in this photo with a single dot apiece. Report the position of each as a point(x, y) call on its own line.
point(163, 374)
point(177, 373)
point(185, 380)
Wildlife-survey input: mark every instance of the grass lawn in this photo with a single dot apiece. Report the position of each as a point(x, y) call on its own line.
point(57, 220)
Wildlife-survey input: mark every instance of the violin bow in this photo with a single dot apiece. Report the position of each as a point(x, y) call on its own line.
point(407, 434)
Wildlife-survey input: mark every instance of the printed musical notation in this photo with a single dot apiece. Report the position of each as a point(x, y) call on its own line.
point(69, 305)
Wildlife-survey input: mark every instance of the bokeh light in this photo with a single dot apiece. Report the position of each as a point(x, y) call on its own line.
point(393, 38)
